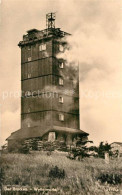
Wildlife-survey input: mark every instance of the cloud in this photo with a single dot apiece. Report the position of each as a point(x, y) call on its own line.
point(95, 46)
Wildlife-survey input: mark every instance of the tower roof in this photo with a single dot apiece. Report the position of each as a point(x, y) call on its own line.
point(34, 35)
point(32, 30)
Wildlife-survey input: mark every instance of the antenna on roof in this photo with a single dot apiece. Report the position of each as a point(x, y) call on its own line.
point(50, 20)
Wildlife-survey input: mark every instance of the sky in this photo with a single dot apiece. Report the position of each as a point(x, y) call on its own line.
point(96, 45)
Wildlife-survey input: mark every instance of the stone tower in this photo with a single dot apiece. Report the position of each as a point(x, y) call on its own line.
point(50, 86)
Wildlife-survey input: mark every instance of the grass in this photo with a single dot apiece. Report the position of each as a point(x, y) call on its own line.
point(80, 176)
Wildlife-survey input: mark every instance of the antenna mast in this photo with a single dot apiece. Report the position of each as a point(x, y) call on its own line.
point(50, 20)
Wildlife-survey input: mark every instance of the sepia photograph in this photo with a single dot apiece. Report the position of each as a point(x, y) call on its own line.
point(61, 97)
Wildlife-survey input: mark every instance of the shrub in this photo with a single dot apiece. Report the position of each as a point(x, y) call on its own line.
point(55, 172)
point(23, 149)
point(80, 150)
point(110, 178)
point(19, 147)
point(103, 148)
point(1, 176)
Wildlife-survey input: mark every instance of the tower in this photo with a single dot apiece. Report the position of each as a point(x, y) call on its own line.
point(50, 86)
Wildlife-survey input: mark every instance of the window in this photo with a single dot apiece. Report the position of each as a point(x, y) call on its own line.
point(28, 124)
point(29, 75)
point(61, 82)
point(29, 47)
point(29, 59)
point(61, 99)
point(61, 48)
point(61, 117)
point(61, 65)
point(42, 47)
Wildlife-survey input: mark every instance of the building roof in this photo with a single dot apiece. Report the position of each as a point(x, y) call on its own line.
point(69, 130)
point(119, 143)
point(38, 131)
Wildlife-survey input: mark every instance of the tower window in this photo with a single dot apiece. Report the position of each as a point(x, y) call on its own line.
point(29, 47)
point(29, 59)
point(28, 124)
point(61, 100)
point(29, 75)
point(42, 47)
point(61, 65)
point(61, 117)
point(61, 48)
point(61, 81)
